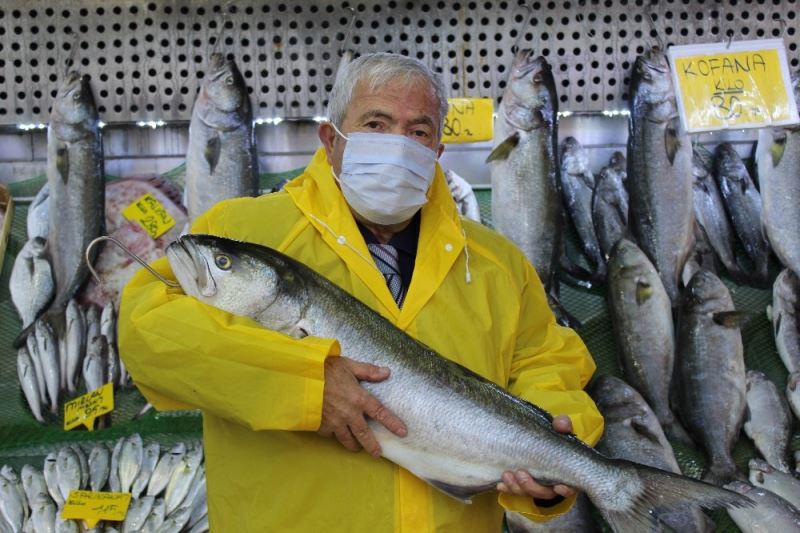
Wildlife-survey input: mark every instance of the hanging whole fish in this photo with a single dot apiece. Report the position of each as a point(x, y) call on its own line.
point(37, 220)
point(76, 185)
point(220, 161)
point(610, 204)
point(709, 210)
point(31, 282)
point(28, 381)
point(632, 432)
point(785, 317)
point(577, 188)
point(526, 203)
point(777, 160)
point(659, 171)
point(711, 371)
point(641, 314)
point(476, 430)
point(743, 204)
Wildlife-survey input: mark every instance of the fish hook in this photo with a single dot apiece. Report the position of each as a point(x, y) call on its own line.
point(225, 13)
point(135, 257)
point(515, 46)
point(349, 34)
point(651, 22)
point(730, 40)
point(73, 50)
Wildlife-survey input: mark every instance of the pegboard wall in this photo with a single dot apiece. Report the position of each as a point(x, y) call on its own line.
point(147, 59)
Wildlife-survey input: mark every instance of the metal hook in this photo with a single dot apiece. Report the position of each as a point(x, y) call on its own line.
point(730, 39)
point(782, 22)
point(349, 32)
point(135, 257)
point(651, 22)
point(515, 46)
point(73, 50)
point(225, 13)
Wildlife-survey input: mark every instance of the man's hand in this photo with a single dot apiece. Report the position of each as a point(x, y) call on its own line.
point(522, 484)
point(345, 405)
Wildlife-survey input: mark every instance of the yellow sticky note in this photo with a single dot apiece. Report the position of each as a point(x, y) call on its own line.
point(91, 507)
point(469, 120)
point(84, 409)
point(742, 85)
point(150, 214)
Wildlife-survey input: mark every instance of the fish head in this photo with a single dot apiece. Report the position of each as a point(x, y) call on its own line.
point(795, 81)
point(531, 89)
point(574, 159)
point(651, 81)
point(74, 101)
point(729, 163)
point(37, 246)
point(224, 85)
point(706, 293)
point(627, 260)
point(241, 278)
point(618, 161)
point(611, 393)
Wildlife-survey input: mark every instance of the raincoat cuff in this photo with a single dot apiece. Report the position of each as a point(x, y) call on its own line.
point(526, 507)
point(321, 348)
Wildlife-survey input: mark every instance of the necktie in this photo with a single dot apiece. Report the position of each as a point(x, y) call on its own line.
point(386, 259)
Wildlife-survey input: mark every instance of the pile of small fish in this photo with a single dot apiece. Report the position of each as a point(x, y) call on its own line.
point(168, 489)
point(50, 366)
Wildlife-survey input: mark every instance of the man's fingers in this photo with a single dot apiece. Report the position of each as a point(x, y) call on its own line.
point(562, 424)
point(347, 440)
point(522, 484)
point(367, 372)
point(363, 434)
point(563, 490)
point(377, 411)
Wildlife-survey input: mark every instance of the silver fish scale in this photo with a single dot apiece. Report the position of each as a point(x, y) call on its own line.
point(75, 343)
point(26, 373)
point(711, 371)
point(150, 457)
point(12, 507)
point(768, 422)
point(138, 511)
point(780, 191)
point(771, 512)
point(68, 470)
point(99, 466)
point(610, 207)
point(43, 514)
point(130, 461)
point(709, 210)
point(783, 484)
point(164, 468)
point(786, 318)
point(31, 282)
point(33, 482)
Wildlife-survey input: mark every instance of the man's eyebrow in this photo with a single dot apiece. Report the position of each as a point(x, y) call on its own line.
point(375, 113)
point(423, 120)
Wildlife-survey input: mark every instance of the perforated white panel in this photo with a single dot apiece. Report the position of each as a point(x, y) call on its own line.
point(146, 59)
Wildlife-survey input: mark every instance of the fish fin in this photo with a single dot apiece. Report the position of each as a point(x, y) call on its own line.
point(643, 292)
point(211, 153)
point(21, 339)
point(671, 143)
point(778, 148)
point(504, 149)
point(777, 322)
point(639, 425)
point(658, 489)
point(730, 319)
point(62, 162)
point(460, 493)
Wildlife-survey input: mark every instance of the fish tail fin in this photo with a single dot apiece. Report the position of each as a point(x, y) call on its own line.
point(721, 472)
point(652, 490)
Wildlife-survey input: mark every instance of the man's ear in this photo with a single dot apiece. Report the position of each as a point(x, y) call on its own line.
point(439, 151)
point(327, 135)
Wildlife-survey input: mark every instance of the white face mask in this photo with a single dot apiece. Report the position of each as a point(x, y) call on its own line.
point(385, 177)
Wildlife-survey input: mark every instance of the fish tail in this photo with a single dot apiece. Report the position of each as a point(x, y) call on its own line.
point(651, 491)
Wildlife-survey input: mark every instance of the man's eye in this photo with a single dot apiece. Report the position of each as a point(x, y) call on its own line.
point(374, 125)
point(420, 133)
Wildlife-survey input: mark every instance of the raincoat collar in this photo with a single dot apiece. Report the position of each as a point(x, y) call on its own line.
point(441, 236)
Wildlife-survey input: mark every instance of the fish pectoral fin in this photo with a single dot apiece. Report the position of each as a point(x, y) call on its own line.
point(461, 493)
point(504, 149)
point(730, 319)
point(778, 147)
point(671, 143)
point(212, 151)
point(643, 292)
point(62, 162)
point(639, 425)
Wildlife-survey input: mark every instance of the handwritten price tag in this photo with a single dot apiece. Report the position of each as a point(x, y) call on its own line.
point(91, 507)
point(84, 409)
point(744, 85)
point(469, 120)
point(150, 214)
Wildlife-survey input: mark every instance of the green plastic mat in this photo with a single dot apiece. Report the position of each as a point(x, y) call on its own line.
point(23, 440)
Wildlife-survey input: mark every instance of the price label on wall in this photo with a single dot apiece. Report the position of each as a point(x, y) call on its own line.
point(743, 84)
point(150, 214)
point(469, 120)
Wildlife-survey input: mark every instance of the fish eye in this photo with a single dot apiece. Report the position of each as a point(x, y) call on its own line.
point(537, 79)
point(76, 96)
point(229, 80)
point(223, 262)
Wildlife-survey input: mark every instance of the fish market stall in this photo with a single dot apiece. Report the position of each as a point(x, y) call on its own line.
point(648, 239)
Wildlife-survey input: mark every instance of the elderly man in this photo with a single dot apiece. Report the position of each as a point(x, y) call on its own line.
point(283, 417)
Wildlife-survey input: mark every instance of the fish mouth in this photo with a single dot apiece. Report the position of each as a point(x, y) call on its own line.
point(528, 64)
point(654, 59)
point(192, 267)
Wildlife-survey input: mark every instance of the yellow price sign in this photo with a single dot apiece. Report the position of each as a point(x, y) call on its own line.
point(91, 507)
point(150, 214)
point(468, 120)
point(743, 84)
point(84, 409)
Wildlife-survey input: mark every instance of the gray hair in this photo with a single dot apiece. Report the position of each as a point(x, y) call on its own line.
point(379, 69)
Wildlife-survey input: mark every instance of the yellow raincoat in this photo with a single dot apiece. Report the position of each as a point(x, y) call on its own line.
point(261, 392)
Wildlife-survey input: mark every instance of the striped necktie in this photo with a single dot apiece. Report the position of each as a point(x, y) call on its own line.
point(386, 258)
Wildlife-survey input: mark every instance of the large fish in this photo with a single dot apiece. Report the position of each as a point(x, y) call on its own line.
point(785, 316)
point(463, 430)
point(709, 210)
point(610, 204)
point(76, 186)
point(783, 484)
point(31, 282)
point(711, 372)
point(743, 204)
point(768, 421)
point(526, 204)
point(220, 161)
point(632, 432)
point(659, 171)
point(577, 187)
point(777, 160)
point(641, 314)
point(771, 513)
